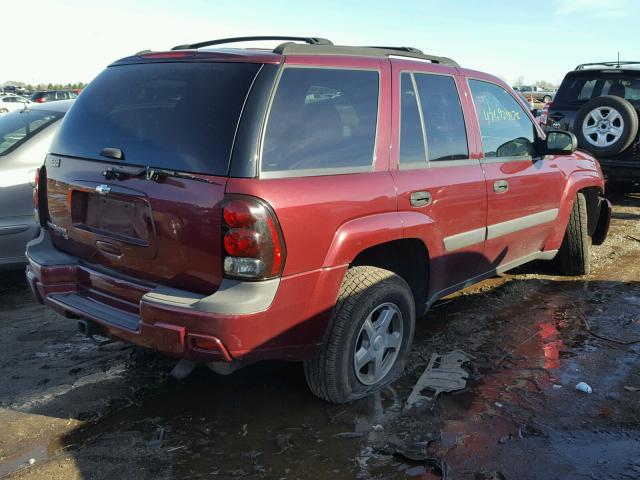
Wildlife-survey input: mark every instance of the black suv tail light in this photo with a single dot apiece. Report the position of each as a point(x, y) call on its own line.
point(252, 239)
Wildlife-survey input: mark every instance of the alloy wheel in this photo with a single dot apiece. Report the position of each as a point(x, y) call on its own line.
point(378, 343)
point(603, 126)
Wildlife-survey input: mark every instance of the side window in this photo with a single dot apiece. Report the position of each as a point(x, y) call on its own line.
point(586, 92)
point(412, 150)
point(443, 118)
point(506, 129)
point(322, 118)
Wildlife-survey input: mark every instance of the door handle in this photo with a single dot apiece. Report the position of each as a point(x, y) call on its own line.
point(500, 186)
point(420, 199)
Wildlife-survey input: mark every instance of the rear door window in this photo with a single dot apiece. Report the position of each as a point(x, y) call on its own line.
point(443, 118)
point(321, 120)
point(412, 145)
point(175, 115)
point(506, 129)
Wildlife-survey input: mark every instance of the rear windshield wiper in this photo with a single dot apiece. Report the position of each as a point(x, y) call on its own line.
point(148, 173)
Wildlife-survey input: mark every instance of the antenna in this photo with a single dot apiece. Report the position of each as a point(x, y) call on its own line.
point(618, 59)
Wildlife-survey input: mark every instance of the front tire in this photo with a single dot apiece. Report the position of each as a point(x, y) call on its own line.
point(369, 335)
point(573, 256)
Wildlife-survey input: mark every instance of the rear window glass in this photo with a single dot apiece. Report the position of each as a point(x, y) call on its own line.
point(321, 119)
point(179, 116)
point(17, 127)
point(584, 88)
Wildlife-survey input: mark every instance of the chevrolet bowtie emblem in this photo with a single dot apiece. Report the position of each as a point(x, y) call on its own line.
point(103, 189)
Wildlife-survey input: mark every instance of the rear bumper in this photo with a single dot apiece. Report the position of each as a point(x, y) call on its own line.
point(620, 169)
point(249, 321)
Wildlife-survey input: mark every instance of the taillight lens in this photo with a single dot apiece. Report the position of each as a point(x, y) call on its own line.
point(40, 100)
point(253, 244)
point(35, 189)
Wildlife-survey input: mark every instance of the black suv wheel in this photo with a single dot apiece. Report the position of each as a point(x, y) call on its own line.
point(606, 126)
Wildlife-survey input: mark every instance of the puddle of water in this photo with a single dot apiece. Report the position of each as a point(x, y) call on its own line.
point(34, 456)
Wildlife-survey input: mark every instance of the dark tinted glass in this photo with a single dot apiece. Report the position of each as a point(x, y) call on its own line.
point(506, 129)
point(443, 119)
point(321, 118)
point(585, 87)
point(411, 137)
point(17, 127)
point(179, 116)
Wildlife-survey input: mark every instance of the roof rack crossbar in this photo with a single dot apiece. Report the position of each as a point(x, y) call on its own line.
point(222, 41)
point(615, 63)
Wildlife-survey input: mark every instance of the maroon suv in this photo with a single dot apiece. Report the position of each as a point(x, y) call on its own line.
point(306, 203)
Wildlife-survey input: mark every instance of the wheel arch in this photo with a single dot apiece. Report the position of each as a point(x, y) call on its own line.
point(591, 185)
point(406, 257)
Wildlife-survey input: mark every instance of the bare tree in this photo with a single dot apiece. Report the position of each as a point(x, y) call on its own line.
point(519, 81)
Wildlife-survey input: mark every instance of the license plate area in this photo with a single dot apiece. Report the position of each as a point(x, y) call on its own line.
point(122, 218)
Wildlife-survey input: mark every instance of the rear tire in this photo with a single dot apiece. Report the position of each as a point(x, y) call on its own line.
point(546, 99)
point(365, 292)
point(573, 256)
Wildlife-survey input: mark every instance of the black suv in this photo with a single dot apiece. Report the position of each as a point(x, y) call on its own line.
point(600, 104)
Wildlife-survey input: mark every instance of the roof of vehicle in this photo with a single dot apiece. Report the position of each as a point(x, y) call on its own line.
point(311, 46)
point(609, 65)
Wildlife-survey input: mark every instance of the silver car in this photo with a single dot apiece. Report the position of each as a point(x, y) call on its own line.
point(25, 136)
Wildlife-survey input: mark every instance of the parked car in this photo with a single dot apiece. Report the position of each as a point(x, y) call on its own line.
point(25, 136)
point(600, 104)
point(237, 205)
point(52, 95)
point(9, 103)
point(538, 94)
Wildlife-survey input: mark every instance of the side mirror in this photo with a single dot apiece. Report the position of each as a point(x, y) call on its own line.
point(561, 143)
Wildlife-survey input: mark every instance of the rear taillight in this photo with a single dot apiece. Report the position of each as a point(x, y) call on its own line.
point(253, 244)
point(40, 100)
point(545, 113)
point(35, 189)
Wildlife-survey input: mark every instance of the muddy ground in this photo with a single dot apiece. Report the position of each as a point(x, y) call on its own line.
point(70, 409)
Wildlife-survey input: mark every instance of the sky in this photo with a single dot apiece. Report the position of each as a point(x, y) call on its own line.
point(73, 40)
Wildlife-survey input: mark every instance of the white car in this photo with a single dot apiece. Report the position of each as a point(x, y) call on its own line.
point(9, 103)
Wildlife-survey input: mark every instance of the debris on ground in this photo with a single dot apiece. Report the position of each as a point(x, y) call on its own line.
point(444, 373)
point(584, 387)
point(183, 369)
point(158, 440)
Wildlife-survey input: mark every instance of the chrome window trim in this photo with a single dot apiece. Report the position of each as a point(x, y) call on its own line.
point(317, 171)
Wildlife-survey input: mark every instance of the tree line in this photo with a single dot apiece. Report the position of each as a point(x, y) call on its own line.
point(538, 83)
point(46, 86)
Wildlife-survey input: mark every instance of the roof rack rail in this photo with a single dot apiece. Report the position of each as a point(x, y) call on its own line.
point(400, 49)
point(376, 52)
point(222, 41)
point(614, 64)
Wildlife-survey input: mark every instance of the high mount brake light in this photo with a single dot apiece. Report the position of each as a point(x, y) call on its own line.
point(167, 55)
point(252, 240)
